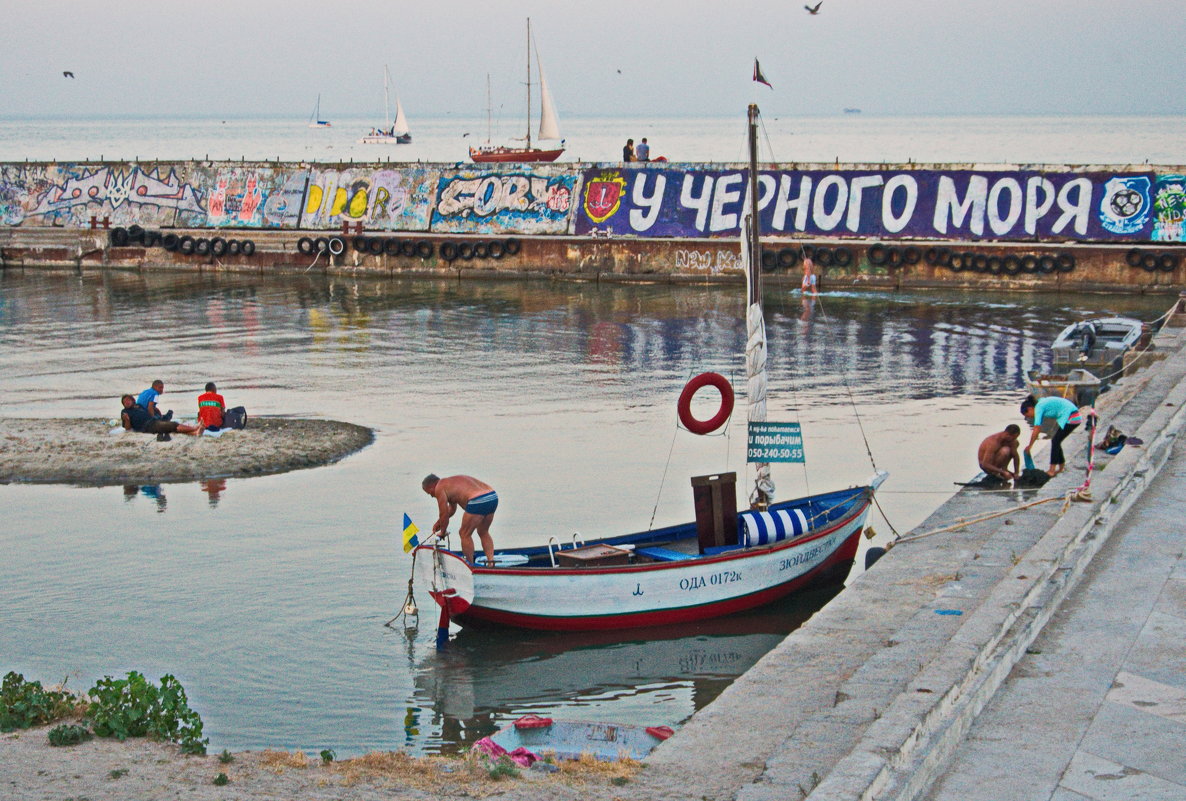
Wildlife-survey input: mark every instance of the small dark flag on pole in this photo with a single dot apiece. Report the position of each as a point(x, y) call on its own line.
point(758, 76)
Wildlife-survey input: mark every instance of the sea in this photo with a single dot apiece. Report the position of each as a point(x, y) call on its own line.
point(847, 138)
point(267, 597)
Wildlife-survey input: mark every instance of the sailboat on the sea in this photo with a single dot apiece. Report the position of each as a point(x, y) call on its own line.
point(724, 562)
point(396, 133)
point(549, 127)
point(315, 120)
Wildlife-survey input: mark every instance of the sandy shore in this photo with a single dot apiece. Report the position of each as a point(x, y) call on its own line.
point(108, 770)
point(71, 451)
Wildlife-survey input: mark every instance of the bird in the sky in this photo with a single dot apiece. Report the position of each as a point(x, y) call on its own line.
point(814, 9)
point(67, 74)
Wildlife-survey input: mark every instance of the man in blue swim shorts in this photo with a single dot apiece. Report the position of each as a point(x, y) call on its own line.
point(477, 498)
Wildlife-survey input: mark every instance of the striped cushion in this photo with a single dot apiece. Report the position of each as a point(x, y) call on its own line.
point(763, 528)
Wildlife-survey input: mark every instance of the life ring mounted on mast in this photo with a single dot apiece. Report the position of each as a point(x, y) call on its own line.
point(689, 420)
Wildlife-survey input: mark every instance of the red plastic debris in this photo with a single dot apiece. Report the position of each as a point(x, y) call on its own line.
point(660, 732)
point(532, 722)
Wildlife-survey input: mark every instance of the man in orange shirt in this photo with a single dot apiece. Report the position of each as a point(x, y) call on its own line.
point(211, 406)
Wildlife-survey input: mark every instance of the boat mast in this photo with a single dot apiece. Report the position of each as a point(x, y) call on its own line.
point(529, 83)
point(489, 111)
point(755, 323)
point(386, 105)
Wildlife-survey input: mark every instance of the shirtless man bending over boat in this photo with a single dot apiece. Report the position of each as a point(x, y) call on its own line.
point(477, 498)
point(999, 451)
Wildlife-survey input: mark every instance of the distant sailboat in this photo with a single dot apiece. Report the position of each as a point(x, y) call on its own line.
point(396, 133)
point(549, 128)
point(315, 120)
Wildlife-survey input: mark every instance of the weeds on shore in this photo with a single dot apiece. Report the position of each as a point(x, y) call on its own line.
point(24, 704)
point(120, 708)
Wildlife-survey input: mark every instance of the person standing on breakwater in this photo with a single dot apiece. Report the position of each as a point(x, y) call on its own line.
point(211, 407)
point(999, 451)
point(1061, 410)
point(628, 150)
point(477, 498)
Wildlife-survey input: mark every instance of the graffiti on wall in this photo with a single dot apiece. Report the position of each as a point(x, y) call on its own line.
point(82, 192)
point(251, 197)
point(955, 204)
point(385, 199)
point(514, 202)
point(1169, 208)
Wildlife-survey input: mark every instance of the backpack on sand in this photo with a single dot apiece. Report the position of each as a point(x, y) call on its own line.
point(235, 418)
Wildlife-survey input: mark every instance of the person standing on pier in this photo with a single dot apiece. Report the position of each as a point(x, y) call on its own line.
point(1061, 410)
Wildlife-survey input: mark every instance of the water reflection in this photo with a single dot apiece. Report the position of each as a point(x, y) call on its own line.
point(213, 488)
point(483, 679)
point(154, 492)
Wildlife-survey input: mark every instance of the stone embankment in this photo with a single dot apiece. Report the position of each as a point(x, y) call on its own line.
point(872, 697)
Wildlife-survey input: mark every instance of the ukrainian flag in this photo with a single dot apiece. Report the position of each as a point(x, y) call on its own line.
point(410, 532)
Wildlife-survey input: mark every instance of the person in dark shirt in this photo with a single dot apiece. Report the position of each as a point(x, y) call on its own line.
point(628, 151)
point(135, 417)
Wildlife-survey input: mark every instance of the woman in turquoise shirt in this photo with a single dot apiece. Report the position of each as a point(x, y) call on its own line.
point(1061, 410)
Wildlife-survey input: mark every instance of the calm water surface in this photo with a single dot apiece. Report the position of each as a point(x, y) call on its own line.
point(266, 597)
point(849, 138)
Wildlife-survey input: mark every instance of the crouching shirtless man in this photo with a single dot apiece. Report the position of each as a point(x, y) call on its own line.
point(999, 452)
point(478, 499)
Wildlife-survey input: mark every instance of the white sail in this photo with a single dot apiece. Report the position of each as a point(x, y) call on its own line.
point(549, 128)
point(401, 121)
point(755, 348)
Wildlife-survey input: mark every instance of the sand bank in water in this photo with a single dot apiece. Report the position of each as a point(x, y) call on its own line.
point(71, 451)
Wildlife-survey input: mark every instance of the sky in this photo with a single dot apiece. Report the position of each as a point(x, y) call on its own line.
point(661, 58)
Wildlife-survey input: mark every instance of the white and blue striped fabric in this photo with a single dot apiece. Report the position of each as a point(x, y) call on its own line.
point(764, 528)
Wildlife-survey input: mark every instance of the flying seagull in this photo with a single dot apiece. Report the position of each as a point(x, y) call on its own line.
point(814, 9)
point(67, 74)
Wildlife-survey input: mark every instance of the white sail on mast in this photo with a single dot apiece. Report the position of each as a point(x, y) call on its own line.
point(549, 127)
point(401, 121)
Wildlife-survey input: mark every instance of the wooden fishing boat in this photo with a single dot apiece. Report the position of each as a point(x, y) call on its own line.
point(549, 127)
point(1081, 387)
point(724, 562)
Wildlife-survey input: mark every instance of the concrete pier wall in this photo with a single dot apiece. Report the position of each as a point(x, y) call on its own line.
point(963, 225)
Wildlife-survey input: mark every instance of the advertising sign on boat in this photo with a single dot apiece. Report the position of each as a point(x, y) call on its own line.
point(775, 442)
point(885, 204)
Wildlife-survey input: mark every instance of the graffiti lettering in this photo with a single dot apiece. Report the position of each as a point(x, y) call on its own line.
point(922, 203)
point(713, 262)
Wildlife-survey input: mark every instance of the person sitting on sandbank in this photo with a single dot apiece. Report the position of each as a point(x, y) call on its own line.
point(135, 417)
point(211, 407)
point(148, 400)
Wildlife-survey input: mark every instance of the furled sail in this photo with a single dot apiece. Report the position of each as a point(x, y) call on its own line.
point(755, 350)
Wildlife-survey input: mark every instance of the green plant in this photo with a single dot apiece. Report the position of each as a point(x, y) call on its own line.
point(134, 707)
point(68, 734)
point(118, 773)
point(328, 755)
point(27, 703)
point(619, 781)
point(220, 780)
point(504, 768)
point(225, 757)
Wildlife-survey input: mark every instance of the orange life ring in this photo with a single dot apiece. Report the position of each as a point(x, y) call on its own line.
point(685, 403)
